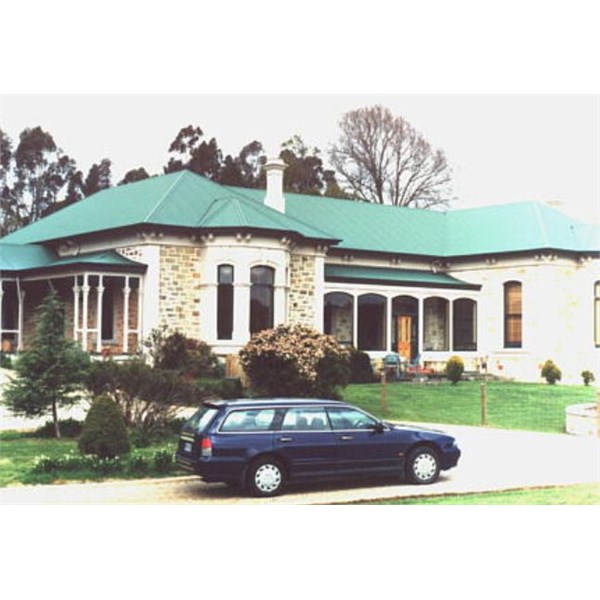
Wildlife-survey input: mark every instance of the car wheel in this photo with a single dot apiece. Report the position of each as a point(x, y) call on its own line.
point(265, 478)
point(423, 465)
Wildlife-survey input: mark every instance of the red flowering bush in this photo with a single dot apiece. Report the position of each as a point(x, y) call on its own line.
point(295, 361)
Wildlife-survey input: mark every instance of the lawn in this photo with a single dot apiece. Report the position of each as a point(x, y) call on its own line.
point(572, 494)
point(530, 406)
point(18, 452)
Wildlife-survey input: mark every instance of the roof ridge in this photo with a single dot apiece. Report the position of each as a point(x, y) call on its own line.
point(541, 223)
point(179, 177)
point(212, 207)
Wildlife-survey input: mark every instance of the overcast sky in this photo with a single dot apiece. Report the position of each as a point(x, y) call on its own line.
point(501, 148)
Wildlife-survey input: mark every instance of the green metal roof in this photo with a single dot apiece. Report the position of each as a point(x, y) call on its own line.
point(487, 230)
point(30, 257)
point(390, 276)
point(15, 257)
point(187, 200)
point(181, 199)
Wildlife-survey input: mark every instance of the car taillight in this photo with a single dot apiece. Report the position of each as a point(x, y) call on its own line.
point(206, 447)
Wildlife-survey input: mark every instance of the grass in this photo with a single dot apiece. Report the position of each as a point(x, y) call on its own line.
point(18, 452)
point(572, 494)
point(529, 406)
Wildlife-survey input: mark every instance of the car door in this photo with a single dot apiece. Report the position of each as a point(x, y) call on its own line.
point(307, 443)
point(364, 445)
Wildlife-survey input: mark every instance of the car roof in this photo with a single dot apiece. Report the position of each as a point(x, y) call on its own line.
point(266, 402)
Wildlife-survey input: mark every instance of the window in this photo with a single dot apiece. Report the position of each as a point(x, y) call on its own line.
point(251, 419)
point(513, 315)
point(305, 419)
point(349, 418)
point(225, 302)
point(435, 324)
point(371, 322)
point(464, 325)
point(597, 313)
point(339, 317)
point(261, 298)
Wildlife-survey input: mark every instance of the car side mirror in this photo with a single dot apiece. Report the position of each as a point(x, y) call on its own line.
point(379, 427)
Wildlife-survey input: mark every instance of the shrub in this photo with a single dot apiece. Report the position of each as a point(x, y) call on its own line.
point(588, 377)
point(551, 372)
point(294, 360)
point(226, 389)
point(138, 463)
point(454, 369)
point(5, 361)
point(148, 397)
point(104, 433)
point(361, 369)
point(163, 461)
point(187, 356)
point(70, 428)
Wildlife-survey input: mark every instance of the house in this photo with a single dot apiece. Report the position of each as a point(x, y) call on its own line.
point(509, 285)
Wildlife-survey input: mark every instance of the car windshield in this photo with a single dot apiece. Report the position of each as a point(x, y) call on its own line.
point(201, 418)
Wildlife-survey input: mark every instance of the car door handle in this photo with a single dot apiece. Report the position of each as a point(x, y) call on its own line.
point(346, 438)
point(285, 439)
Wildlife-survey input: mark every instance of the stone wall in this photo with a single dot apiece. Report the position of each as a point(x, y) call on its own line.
point(301, 298)
point(179, 290)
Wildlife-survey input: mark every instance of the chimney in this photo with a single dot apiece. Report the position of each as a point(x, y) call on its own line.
point(274, 168)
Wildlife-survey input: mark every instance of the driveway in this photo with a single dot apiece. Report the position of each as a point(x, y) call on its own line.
point(493, 459)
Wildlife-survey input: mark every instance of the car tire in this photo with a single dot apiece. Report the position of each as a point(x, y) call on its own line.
point(266, 478)
point(423, 465)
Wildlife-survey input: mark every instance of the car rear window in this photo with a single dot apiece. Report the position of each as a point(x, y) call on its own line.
point(201, 419)
point(251, 419)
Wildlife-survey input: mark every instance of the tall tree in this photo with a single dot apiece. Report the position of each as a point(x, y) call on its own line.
point(8, 203)
point(51, 371)
point(134, 175)
point(383, 159)
point(33, 177)
point(189, 151)
point(245, 170)
point(98, 177)
point(305, 173)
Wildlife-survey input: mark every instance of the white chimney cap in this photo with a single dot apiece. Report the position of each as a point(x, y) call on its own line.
point(274, 198)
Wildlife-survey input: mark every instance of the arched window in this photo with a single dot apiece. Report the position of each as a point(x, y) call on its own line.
point(597, 313)
point(339, 317)
point(435, 324)
point(261, 298)
point(464, 325)
point(225, 275)
point(513, 314)
point(371, 322)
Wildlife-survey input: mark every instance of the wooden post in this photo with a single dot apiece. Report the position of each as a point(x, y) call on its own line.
point(483, 403)
point(383, 389)
point(598, 410)
point(484, 420)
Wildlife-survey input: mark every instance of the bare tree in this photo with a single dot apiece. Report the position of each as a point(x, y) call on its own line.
point(383, 159)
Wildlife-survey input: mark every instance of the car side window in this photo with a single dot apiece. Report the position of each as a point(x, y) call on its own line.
point(249, 420)
point(305, 419)
point(348, 418)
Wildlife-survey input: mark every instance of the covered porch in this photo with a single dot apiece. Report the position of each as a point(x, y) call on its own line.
point(102, 294)
point(422, 316)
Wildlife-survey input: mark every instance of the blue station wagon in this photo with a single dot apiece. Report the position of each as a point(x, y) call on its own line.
point(263, 444)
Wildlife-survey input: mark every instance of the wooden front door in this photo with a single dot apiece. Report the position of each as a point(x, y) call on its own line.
point(404, 332)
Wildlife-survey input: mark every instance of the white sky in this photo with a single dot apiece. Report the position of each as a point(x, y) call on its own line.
point(502, 148)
